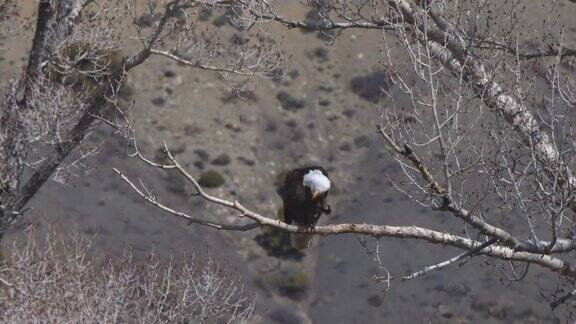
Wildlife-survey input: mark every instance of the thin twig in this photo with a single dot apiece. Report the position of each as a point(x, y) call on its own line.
point(446, 263)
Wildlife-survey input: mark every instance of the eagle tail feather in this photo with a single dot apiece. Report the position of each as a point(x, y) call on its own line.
point(301, 241)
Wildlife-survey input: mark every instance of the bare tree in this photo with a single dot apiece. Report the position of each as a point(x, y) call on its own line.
point(486, 135)
point(55, 277)
point(483, 137)
point(76, 69)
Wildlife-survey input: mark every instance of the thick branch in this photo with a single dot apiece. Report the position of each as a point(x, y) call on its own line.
point(447, 203)
point(558, 246)
point(450, 49)
point(458, 59)
point(405, 232)
point(38, 51)
point(13, 202)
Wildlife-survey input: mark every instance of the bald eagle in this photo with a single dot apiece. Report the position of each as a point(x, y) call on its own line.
point(304, 198)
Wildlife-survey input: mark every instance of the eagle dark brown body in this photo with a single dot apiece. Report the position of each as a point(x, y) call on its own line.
point(300, 207)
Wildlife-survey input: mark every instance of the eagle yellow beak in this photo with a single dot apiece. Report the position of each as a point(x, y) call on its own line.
point(315, 194)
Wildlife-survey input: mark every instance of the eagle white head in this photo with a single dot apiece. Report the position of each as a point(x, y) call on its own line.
point(317, 182)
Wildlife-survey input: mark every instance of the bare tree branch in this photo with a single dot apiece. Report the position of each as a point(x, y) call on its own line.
point(152, 200)
point(448, 262)
point(58, 25)
point(406, 232)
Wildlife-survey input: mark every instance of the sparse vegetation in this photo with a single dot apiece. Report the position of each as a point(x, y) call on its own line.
point(222, 159)
point(370, 86)
point(277, 244)
point(289, 102)
point(211, 179)
point(54, 278)
point(474, 105)
point(291, 282)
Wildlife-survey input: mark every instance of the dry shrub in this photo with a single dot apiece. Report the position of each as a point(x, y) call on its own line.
point(56, 278)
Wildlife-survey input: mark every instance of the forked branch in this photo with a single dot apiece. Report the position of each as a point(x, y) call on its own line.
point(403, 232)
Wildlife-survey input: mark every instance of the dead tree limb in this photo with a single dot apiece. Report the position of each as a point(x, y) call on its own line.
point(405, 232)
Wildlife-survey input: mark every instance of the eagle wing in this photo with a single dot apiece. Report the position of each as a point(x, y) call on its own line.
point(296, 203)
point(293, 196)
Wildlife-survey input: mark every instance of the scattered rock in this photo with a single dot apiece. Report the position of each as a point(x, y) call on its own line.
point(285, 315)
point(320, 54)
point(202, 154)
point(326, 88)
point(168, 89)
point(220, 21)
point(332, 117)
point(199, 165)
point(211, 179)
point(291, 123)
point(279, 145)
point(375, 300)
point(192, 130)
point(454, 289)
point(169, 73)
point(204, 14)
point(233, 127)
point(289, 102)
point(247, 119)
point(349, 113)
point(362, 141)
point(159, 101)
point(297, 134)
point(222, 159)
point(346, 147)
point(445, 311)
point(324, 102)
point(271, 126)
point(294, 74)
point(491, 308)
point(233, 96)
point(370, 87)
point(246, 161)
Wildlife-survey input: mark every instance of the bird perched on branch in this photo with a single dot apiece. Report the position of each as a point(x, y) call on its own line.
point(304, 197)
